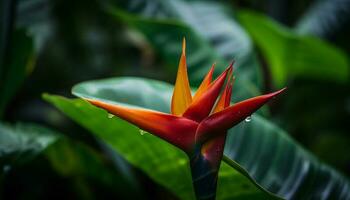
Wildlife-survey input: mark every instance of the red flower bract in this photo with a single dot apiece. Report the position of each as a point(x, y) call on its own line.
point(198, 121)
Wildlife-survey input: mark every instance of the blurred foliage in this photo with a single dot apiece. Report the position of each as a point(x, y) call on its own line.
point(291, 55)
point(50, 45)
point(22, 142)
point(15, 65)
point(78, 161)
point(208, 41)
point(325, 18)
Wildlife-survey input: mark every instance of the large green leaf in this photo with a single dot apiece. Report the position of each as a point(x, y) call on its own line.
point(211, 31)
point(159, 160)
point(70, 159)
point(21, 142)
point(267, 153)
point(211, 21)
point(289, 54)
point(162, 162)
point(281, 165)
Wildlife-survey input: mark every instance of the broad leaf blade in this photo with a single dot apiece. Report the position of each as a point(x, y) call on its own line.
point(281, 165)
point(260, 147)
point(212, 21)
point(22, 142)
point(230, 176)
point(70, 159)
point(161, 161)
point(290, 55)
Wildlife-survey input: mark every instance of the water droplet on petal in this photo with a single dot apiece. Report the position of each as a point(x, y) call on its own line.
point(248, 119)
point(142, 132)
point(110, 116)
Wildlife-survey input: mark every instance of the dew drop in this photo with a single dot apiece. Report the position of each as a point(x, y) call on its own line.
point(142, 132)
point(110, 116)
point(248, 119)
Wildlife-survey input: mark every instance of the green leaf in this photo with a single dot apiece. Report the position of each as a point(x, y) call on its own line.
point(280, 164)
point(148, 92)
point(21, 142)
point(161, 161)
point(16, 63)
point(267, 153)
point(290, 55)
point(208, 41)
point(71, 158)
point(230, 176)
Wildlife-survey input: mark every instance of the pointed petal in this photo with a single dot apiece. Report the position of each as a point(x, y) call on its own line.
point(227, 118)
point(201, 108)
point(229, 93)
point(182, 93)
point(205, 84)
point(225, 98)
point(213, 149)
point(176, 130)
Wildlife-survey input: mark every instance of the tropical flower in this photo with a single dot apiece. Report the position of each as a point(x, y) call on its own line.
point(197, 124)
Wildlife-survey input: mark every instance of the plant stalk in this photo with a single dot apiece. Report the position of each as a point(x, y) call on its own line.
point(204, 177)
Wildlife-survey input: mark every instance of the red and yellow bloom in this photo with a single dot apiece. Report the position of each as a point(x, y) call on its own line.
point(193, 120)
point(197, 124)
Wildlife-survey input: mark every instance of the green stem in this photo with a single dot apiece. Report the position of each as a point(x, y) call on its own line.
point(204, 178)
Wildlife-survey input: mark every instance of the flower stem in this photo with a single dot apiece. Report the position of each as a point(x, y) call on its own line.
point(204, 178)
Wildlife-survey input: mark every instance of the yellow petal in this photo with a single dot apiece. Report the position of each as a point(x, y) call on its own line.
point(182, 93)
point(205, 83)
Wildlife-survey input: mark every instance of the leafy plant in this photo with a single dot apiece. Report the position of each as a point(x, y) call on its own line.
point(241, 137)
point(82, 40)
point(194, 126)
point(165, 164)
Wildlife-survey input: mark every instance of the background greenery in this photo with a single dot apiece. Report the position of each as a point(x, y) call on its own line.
point(48, 46)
